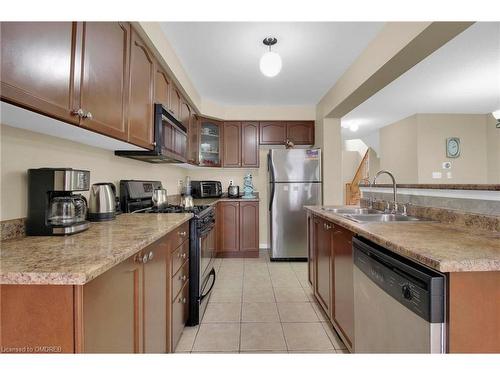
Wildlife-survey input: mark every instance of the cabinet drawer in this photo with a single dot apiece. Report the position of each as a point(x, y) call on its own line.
point(179, 256)
point(179, 279)
point(179, 235)
point(180, 310)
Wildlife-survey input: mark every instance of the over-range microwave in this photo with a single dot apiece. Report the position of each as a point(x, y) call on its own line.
point(168, 132)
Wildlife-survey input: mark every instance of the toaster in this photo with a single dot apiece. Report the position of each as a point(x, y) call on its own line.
point(206, 189)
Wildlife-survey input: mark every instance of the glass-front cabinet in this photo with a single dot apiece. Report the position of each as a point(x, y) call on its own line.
point(210, 143)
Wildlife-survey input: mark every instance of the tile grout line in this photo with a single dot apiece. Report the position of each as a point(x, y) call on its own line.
point(277, 309)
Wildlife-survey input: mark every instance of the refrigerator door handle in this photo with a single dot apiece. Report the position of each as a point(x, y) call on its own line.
point(270, 168)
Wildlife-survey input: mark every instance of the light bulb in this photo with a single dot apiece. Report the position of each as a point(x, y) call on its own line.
point(354, 127)
point(496, 114)
point(270, 64)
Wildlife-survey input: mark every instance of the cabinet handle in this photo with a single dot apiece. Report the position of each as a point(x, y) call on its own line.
point(153, 144)
point(88, 115)
point(182, 300)
point(327, 226)
point(182, 234)
point(77, 112)
point(183, 256)
point(183, 277)
point(145, 258)
point(151, 255)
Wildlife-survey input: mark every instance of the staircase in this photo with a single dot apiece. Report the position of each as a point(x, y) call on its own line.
point(352, 192)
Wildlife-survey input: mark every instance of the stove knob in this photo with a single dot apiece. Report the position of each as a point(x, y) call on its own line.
point(406, 291)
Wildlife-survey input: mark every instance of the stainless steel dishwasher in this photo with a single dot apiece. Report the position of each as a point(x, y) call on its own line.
point(399, 305)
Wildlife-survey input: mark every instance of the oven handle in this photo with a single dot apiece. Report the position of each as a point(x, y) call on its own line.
point(212, 273)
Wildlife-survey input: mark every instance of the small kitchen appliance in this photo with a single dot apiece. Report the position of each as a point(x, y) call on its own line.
point(233, 191)
point(53, 208)
point(206, 189)
point(102, 202)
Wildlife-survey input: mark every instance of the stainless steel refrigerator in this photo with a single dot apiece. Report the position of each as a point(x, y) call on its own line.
point(294, 177)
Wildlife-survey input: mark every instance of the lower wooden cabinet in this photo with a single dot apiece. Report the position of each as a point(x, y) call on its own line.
point(238, 228)
point(331, 273)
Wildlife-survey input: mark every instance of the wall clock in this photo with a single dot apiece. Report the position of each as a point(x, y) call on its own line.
point(453, 147)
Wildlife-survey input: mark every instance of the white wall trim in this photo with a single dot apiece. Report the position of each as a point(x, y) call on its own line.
point(442, 193)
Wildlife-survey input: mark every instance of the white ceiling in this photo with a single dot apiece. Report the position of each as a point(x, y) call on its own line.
point(222, 58)
point(463, 76)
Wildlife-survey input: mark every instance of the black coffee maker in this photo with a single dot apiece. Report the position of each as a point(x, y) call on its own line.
point(53, 208)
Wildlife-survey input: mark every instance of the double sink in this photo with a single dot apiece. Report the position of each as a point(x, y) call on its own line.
point(366, 215)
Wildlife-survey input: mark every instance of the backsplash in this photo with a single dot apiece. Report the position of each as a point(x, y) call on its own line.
point(10, 229)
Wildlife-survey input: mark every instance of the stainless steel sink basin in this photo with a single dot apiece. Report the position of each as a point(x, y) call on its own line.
point(380, 218)
point(354, 211)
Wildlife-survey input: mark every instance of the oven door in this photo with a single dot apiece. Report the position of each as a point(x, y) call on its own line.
point(207, 270)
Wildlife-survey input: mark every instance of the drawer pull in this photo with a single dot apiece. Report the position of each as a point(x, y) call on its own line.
point(151, 255)
point(182, 234)
point(145, 258)
point(182, 300)
point(183, 277)
point(183, 255)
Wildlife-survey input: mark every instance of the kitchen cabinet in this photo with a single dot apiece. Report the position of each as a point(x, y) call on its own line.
point(232, 144)
point(343, 281)
point(323, 260)
point(113, 308)
point(229, 216)
point(272, 132)
point(249, 144)
point(310, 249)
point(141, 94)
point(38, 67)
point(277, 132)
point(175, 101)
point(103, 93)
point(238, 228)
point(163, 85)
point(249, 226)
point(194, 139)
point(210, 143)
point(300, 132)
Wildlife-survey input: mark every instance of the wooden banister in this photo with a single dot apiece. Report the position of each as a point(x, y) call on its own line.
point(352, 193)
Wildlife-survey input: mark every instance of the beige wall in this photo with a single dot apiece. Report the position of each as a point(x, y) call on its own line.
point(22, 149)
point(493, 145)
point(433, 129)
point(415, 147)
point(398, 151)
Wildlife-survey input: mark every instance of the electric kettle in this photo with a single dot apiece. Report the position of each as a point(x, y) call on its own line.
point(102, 206)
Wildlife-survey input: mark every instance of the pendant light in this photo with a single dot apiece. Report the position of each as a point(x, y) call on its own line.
point(270, 62)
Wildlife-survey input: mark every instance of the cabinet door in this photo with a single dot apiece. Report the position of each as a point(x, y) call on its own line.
point(193, 139)
point(300, 132)
point(112, 310)
point(105, 77)
point(232, 144)
point(229, 226)
point(249, 226)
point(343, 281)
point(175, 102)
point(155, 298)
point(272, 132)
point(162, 86)
point(38, 68)
point(180, 312)
point(323, 269)
point(250, 144)
point(140, 105)
point(310, 249)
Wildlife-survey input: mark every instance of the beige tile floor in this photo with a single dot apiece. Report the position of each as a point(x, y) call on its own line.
point(259, 306)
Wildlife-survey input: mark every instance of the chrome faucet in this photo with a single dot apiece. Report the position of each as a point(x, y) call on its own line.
point(370, 200)
point(394, 189)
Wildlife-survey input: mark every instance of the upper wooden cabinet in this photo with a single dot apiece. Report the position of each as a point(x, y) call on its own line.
point(277, 132)
point(38, 67)
point(163, 85)
point(250, 144)
point(232, 144)
point(193, 139)
point(104, 77)
point(140, 104)
point(300, 132)
point(175, 102)
point(272, 133)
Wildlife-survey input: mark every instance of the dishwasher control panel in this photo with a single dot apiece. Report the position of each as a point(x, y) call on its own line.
point(418, 288)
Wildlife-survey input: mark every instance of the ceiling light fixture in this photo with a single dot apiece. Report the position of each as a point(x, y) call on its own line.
point(354, 127)
point(270, 62)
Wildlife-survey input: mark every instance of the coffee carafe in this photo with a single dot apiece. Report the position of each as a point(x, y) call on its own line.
point(53, 208)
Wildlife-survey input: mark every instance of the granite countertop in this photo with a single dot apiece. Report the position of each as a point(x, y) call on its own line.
point(444, 247)
point(77, 259)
